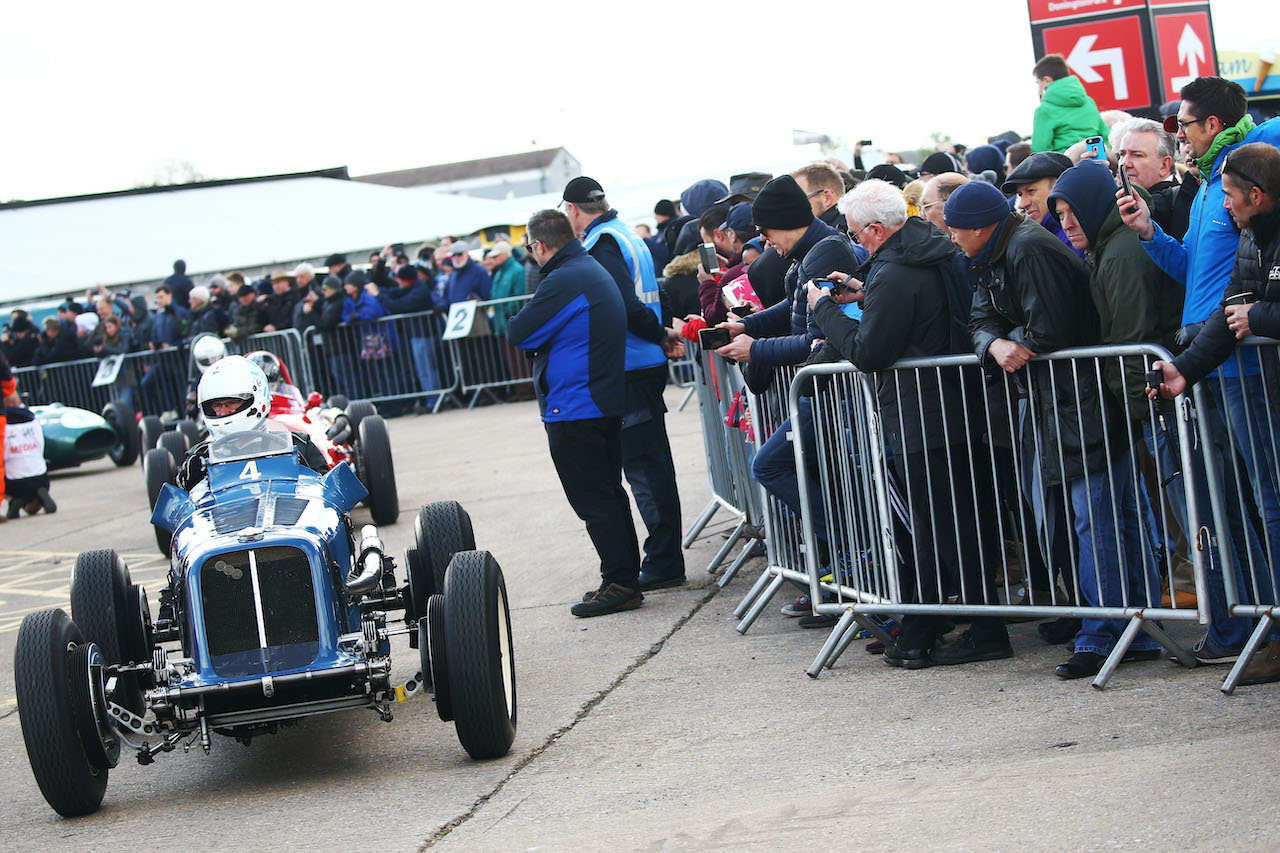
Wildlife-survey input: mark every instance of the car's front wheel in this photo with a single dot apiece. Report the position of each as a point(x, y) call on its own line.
point(43, 669)
point(378, 470)
point(480, 653)
point(120, 417)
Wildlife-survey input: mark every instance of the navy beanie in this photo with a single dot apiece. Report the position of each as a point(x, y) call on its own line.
point(976, 204)
point(1091, 191)
point(781, 204)
point(984, 157)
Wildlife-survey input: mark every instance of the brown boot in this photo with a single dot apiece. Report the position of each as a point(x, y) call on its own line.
point(1265, 666)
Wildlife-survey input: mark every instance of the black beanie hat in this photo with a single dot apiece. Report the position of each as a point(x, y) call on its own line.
point(939, 163)
point(665, 207)
point(781, 204)
point(888, 172)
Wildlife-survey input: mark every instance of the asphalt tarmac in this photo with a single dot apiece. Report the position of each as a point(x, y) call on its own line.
point(661, 728)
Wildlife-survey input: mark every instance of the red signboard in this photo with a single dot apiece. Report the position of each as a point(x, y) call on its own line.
point(1057, 10)
point(1108, 56)
point(1184, 45)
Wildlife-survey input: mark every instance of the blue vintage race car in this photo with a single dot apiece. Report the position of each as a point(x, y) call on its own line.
point(274, 610)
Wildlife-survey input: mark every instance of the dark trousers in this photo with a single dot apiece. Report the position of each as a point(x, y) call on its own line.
point(588, 457)
point(944, 538)
point(651, 472)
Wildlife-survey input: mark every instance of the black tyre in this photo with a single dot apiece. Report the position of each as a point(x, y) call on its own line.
point(104, 605)
point(435, 661)
point(121, 417)
point(176, 443)
point(441, 530)
point(480, 654)
point(42, 672)
point(150, 429)
point(158, 468)
point(338, 401)
point(379, 470)
point(358, 411)
point(190, 431)
point(420, 582)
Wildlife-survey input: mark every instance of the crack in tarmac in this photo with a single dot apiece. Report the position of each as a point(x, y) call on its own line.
point(443, 832)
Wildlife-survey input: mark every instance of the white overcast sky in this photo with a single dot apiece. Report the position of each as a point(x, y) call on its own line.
point(97, 95)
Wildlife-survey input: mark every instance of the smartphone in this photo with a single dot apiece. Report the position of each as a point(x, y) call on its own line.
point(713, 338)
point(710, 261)
point(1243, 298)
point(830, 284)
point(1126, 186)
point(1096, 145)
point(866, 142)
point(744, 310)
point(1154, 377)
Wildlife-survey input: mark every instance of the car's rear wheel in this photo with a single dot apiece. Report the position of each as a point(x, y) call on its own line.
point(379, 470)
point(480, 653)
point(358, 411)
point(431, 653)
point(176, 443)
point(42, 678)
point(337, 401)
point(441, 530)
point(158, 468)
point(190, 431)
point(105, 606)
point(150, 428)
point(120, 416)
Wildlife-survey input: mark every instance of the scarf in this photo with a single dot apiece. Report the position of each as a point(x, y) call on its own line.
point(1230, 136)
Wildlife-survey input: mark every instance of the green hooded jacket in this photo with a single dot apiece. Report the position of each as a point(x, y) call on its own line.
point(1065, 116)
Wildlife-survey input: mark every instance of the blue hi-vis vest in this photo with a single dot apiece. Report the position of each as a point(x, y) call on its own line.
point(640, 353)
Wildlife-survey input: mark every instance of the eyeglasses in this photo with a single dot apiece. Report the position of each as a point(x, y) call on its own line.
point(854, 235)
point(528, 245)
point(1172, 124)
point(816, 192)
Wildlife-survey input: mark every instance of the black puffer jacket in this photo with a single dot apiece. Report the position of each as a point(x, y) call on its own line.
point(782, 330)
point(1257, 271)
point(1035, 291)
point(905, 314)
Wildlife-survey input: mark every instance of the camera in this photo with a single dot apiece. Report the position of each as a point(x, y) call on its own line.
point(713, 338)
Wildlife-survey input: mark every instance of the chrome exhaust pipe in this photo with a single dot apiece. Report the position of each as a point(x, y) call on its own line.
point(369, 565)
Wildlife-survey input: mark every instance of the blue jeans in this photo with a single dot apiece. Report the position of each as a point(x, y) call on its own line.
point(424, 363)
point(774, 467)
point(1162, 440)
point(1114, 571)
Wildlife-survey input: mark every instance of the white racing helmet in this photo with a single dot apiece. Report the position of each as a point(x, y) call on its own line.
point(239, 383)
point(206, 350)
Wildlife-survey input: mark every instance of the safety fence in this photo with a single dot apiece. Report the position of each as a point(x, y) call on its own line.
point(1240, 423)
point(934, 490)
point(150, 381)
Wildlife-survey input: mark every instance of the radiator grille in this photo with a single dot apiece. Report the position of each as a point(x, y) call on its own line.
point(287, 601)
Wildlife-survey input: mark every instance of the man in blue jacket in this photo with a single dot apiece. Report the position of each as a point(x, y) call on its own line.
point(646, 450)
point(575, 326)
point(1212, 120)
point(468, 280)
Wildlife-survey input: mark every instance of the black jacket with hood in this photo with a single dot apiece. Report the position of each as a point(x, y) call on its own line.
point(905, 314)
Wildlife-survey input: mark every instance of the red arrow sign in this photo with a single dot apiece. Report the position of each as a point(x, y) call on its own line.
point(1108, 57)
point(1184, 44)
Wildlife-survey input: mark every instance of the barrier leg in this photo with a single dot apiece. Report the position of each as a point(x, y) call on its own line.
point(688, 395)
point(1256, 641)
point(755, 590)
point(728, 546)
point(700, 523)
point(1117, 654)
point(829, 651)
point(737, 564)
point(760, 604)
point(1180, 654)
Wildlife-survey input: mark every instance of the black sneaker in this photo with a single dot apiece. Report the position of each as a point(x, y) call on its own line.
point(612, 599)
point(648, 581)
point(15, 508)
point(896, 655)
point(966, 649)
point(821, 620)
point(590, 594)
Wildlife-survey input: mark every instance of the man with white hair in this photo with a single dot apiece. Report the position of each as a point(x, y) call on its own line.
point(204, 315)
point(1147, 151)
point(303, 275)
point(906, 314)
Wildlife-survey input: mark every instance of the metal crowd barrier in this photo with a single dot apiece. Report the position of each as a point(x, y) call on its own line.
point(961, 530)
point(718, 385)
point(394, 358)
point(152, 382)
point(1240, 420)
point(287, 344)
point(680, 373)
point(485, 360)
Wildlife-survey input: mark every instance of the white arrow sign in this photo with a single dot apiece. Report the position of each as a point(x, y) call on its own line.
point(1083, 59)
point(1190, 54)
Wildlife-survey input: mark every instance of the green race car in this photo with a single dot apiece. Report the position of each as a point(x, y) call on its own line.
point(74, 436)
